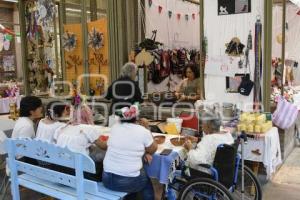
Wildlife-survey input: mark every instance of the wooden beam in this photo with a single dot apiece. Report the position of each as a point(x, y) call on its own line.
point(267, 61)
point(283, 43)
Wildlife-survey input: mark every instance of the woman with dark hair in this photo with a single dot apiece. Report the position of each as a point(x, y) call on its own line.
point(30, 111)
point(123, 166)
point(55, 110)
point(189, 89)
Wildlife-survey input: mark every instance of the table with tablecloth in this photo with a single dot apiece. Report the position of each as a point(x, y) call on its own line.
point(264, 148)
point(4, 103)
point(162, 166)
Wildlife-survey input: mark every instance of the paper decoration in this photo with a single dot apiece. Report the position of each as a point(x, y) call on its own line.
point(96, 39)
point(6, 45)
point(170, 13)
point(150, 3)
point(178, 16)
point(228, 7)
point(186, 17)
point(70, 41)
point(194, 16)
point(9, 63)
point(8, 37)
point(160, 9)
point(222, 66)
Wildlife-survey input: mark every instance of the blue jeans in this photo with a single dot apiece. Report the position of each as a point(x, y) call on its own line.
point(131, 185)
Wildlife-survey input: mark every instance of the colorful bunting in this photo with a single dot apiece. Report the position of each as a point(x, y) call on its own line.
point(186, 17)
point(160, 9)
point(178, 16)
point(170, 13)
point(193, 16)
point(150, 3)
point(8, 37)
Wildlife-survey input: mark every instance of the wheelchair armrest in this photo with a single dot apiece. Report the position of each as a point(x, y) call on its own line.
point(207, 166)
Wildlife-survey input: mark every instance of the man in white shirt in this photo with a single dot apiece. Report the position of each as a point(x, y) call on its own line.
point(206, 149)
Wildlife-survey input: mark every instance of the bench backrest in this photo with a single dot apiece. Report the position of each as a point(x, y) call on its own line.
point(52, 154)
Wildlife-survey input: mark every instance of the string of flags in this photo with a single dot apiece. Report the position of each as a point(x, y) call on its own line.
point(170, 12)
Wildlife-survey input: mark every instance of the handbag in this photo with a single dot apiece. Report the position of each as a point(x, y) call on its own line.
point(285, 114)
point(246, 85)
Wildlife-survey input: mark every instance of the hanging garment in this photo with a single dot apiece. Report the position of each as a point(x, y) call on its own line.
point(258, 65)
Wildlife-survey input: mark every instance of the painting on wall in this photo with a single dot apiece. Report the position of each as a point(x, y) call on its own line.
point(229, 7)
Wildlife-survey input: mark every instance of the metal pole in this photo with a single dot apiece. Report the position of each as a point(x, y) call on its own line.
point(283, 43)
point(24, 47)
point(267, 52)
point(202, 53)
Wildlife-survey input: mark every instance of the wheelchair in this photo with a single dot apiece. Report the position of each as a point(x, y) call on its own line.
point(222, 180)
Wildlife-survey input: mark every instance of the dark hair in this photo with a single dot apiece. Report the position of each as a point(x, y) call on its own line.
point(194, 68)
point(29, 103)
point(55, 109)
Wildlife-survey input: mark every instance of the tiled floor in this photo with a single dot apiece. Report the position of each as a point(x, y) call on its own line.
point(286, 183)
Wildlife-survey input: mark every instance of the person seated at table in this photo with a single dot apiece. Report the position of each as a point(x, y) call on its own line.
point(81, 113)
point(125, 90)
point(31, 110)
point(189, 88)
point(80, 138)
point(123, 165)
point(206, 149)
point(55, 110)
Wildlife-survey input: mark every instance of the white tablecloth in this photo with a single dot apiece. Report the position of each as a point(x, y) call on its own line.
point(4, 103)
point(266, 149)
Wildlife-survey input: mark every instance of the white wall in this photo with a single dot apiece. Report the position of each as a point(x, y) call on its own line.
point(172, 32)
point(219, 30)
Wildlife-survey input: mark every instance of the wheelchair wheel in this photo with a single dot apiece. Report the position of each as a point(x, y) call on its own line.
point(204, 189)
point(253, 189)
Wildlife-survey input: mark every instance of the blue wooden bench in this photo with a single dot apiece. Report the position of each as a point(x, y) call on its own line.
point(55, 184)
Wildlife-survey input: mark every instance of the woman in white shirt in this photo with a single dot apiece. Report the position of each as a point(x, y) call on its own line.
point(123, 165)
point(206, 149)
point(55, 110)
point(31, 110)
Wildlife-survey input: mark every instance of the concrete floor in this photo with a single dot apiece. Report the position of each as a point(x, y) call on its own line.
point(286, 183)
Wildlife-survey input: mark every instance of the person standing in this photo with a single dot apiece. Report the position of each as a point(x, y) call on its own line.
point(125, 90)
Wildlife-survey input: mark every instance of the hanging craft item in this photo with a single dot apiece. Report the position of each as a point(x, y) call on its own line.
point(32, 15)
point(235, 47)
point(1, 41)
point(170, 13)
point(69, 41)
point(6, 44)
point(279, 38)
point(194, 16)
point(150, 44)
point(144, 58)
point(186, 17)
point(47, 11)
point(228, 7)
point(160, 9)
point(178, 16)
point(96, 39)
point(298, 13)
point(150, 3)
point(258, 64)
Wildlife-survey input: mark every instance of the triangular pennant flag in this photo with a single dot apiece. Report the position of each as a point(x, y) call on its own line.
point(178, 16)
point(8, 37)
point(186, 17)
point(298, 13)
point(150, 3)
point(193, 16)
point(170, 13)
point(160, 9)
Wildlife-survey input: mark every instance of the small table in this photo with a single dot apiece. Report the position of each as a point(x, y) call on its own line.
point(264, 148)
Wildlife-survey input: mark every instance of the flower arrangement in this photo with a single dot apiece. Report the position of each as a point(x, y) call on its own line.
point(12, 91)
point(287, 94)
